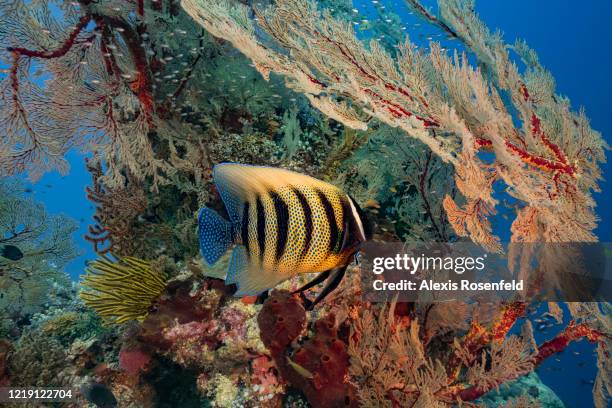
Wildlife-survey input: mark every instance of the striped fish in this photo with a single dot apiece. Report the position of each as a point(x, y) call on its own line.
point(282, 223)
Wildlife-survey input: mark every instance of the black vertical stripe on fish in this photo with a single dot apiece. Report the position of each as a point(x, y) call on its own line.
point(308, 226)
point(261, 228)
point(282, 224)
point(244, 232)
point(331, 220)
point(347, 218)
point(351, 225)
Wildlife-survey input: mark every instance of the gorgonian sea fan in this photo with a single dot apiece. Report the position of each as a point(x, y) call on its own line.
point(550, 162)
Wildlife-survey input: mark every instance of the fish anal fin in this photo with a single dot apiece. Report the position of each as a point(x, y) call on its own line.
point(249, 278)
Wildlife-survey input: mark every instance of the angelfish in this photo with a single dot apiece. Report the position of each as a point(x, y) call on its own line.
point(282, 223)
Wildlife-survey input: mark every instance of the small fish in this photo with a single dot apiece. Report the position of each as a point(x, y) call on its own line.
point(99, 395)
point(299, 369)
point(584, 382)
point(11, 252)
point(281, 224)
point(371, 203)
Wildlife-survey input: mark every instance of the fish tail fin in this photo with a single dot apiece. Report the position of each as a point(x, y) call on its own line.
point(215, 235)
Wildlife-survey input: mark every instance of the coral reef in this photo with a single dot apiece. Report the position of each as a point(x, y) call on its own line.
point(46, 246)
point(156, 93)
point(538, 393)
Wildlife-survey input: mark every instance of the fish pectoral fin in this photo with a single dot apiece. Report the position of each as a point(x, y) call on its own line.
point(332, 283)
point(318, 279)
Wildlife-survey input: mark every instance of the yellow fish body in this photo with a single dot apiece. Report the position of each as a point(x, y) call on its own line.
point(282, 223)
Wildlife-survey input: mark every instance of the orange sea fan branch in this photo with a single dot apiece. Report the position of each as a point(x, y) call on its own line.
point(571, 333)
point(511, 312)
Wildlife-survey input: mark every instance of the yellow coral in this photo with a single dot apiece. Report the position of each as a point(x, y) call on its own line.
point(60, 323)
point(121, 290)
point(225, 391)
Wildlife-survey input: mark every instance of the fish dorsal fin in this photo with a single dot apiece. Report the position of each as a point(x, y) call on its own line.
point(237, 183)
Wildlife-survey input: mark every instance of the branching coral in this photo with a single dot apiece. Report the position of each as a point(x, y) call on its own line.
point(98, 76)
point(403, 181)
point(36, 360)
point(116, 212)
point(121, 290)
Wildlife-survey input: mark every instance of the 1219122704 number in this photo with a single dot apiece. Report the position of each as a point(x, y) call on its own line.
point(8, 394)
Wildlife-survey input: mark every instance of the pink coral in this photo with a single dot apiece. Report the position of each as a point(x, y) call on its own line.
point(264, 375)
point(234, 321)
point(133, 361)
point(190, 331)
point(189, 341)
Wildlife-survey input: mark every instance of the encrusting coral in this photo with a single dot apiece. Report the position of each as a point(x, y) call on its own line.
point(121, 290)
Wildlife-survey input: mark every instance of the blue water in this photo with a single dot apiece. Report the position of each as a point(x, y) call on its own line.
point(572, 41)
